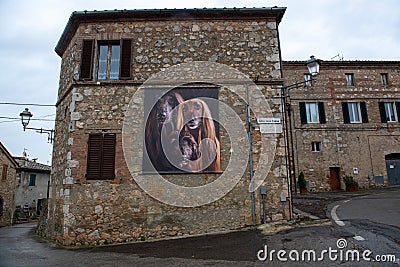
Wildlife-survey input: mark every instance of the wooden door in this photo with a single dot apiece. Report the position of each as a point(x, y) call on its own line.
point(334, 178)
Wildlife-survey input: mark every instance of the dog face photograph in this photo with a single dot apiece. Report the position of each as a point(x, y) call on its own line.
point(181, 131)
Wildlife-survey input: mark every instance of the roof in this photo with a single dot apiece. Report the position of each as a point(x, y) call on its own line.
point(8, 155)
point(345, 62)
point(78, 17)
point(31, 165)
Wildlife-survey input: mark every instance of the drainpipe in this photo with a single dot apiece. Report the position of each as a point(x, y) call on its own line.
point(249, 137)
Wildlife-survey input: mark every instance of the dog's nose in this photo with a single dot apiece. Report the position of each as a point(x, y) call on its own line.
point(163, 115)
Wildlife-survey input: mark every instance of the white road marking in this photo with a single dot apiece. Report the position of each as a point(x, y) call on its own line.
point(335, 217)
point(359, 238)
point(346, 201)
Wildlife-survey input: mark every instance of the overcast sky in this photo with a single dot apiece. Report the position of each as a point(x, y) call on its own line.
point(29, 32)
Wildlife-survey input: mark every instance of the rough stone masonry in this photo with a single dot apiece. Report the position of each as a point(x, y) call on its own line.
point(92, 212)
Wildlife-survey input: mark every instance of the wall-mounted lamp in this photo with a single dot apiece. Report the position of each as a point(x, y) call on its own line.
point(25, 119)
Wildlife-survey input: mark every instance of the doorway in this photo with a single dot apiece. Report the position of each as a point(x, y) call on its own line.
point(334, 178)
point(393, 168)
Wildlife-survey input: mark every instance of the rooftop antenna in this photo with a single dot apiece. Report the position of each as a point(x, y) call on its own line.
point(340, 58)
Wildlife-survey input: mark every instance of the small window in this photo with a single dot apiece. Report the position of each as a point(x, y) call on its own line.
point(349, 79)
point(389, 111)
point(355, 112)
point(32, 179)
point(101, 157)
point(307, 79)
point(5, 172)
point(316, 146)
point(384, 79)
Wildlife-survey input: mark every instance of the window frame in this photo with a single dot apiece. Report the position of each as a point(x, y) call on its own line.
point(307, 79)
point(385, 79)
point(361, 109)
point(312, 109)
point(316, 146)
point(32, 179)
point(110, 45)
point(385, 117)
point(304, 112)
point(350, 79)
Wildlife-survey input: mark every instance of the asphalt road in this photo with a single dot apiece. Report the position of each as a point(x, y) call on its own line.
point(20, 247)
point(373, 220)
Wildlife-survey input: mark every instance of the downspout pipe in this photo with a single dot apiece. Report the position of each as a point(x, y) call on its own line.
point(249, 137)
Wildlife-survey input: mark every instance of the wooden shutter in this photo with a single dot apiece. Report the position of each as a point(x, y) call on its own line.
point(126, 59)
point(364, 113)
point(398, 111)
point(303, 113)
point(345, 110)
point(382, 112)
point(93, 170)
point(5, 172)
point(321, 112)
point(87, 60)
point(108, 160)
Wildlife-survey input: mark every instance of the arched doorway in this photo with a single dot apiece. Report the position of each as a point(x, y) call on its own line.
point(393, 168)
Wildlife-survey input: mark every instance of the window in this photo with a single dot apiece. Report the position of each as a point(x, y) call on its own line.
point(101, 157)
point(355, 112)
point(349, 79)
point(307, 79)
point(389, 111)
point(114, 60)
point(312, 112)
point(108, 66)
point(316, 146)
point(5, 172)
point(32, 179)
point(384, 79)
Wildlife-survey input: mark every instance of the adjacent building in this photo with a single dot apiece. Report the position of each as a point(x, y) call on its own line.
point(8, 172)
point(345, 123)
point(32, 185)
point(110, 181)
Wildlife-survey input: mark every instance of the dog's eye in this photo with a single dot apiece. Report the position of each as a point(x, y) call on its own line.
point(197, 106)
point(185, 108)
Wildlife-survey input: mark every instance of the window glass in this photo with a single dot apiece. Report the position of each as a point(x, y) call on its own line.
point(390, 110)
point(103, 55)
point(114, 66)
point(349, 79)
point(354, 112)
point(312, 112)
point(316, 146)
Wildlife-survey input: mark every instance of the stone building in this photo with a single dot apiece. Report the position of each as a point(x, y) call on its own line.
point(32, 185)
point(109, 185)
point(346, 123)
point(8, 173)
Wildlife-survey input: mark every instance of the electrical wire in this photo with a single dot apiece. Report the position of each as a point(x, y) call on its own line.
point(26, 104)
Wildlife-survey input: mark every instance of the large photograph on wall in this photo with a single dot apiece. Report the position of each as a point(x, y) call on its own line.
point(181, 132)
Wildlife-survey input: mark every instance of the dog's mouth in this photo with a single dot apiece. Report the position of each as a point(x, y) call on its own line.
point(194, 123)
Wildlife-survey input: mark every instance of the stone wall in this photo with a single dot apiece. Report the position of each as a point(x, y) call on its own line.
point(83, 212)
point(7, 188)
point(348, 146)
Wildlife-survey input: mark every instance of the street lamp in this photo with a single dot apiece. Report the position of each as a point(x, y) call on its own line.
point(25, 119)
point(313, 69)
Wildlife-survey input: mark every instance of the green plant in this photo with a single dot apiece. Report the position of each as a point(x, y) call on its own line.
point(302, 181)
point(349, 180)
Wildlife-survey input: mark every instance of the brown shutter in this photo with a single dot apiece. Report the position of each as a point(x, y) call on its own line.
point(126, 59)
point(93, 170)
point(303, 113)
point(87, 60)
point(5, 172)
point(108, 160)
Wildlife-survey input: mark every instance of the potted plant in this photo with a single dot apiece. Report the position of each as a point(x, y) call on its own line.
point(351, 184)
point(302, 184)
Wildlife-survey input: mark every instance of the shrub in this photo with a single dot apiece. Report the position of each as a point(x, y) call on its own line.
point(302, 181)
